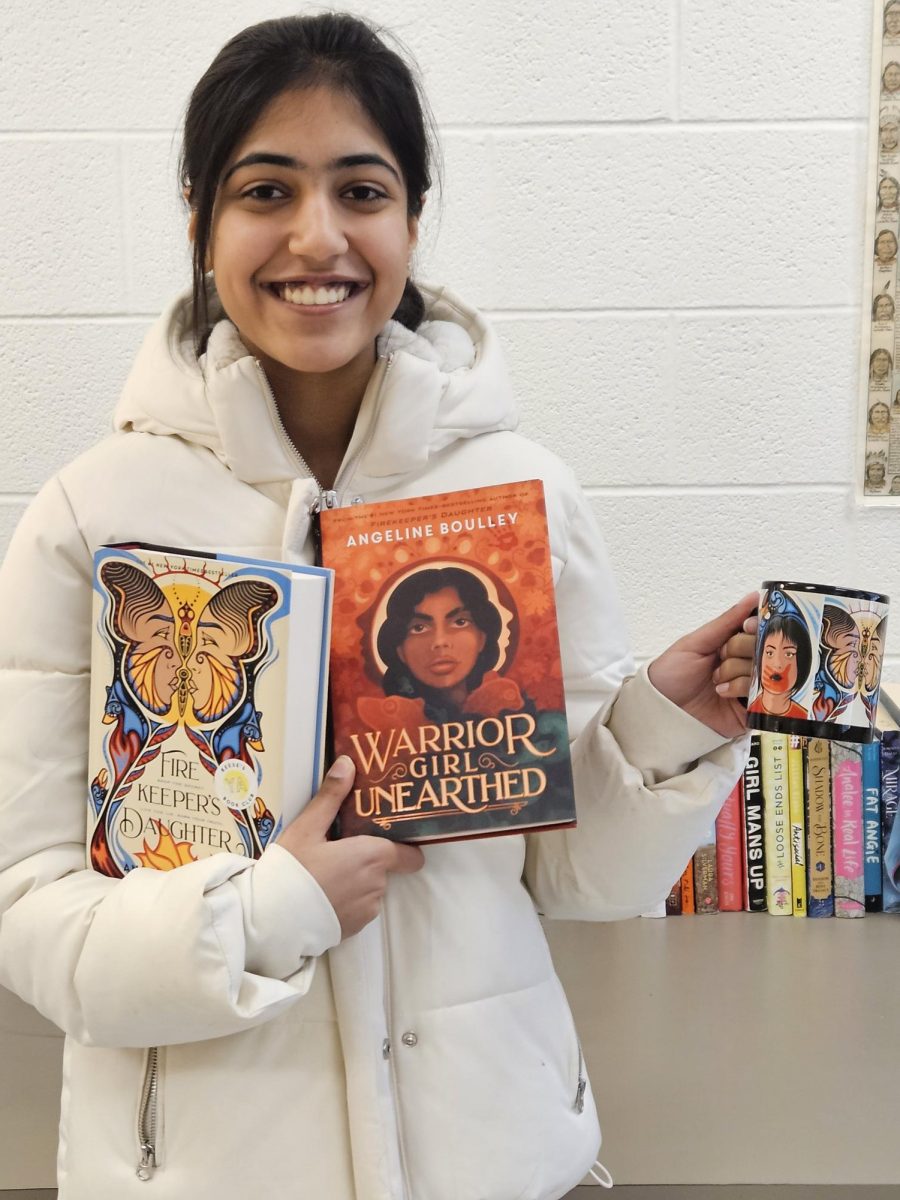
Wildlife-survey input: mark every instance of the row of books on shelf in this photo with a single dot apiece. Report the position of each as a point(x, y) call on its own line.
point(808, 830)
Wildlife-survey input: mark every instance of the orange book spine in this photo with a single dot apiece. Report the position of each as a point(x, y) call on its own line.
point(687, 890)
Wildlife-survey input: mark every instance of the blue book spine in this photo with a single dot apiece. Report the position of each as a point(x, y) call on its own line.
point(890, 828)
point(871, 782)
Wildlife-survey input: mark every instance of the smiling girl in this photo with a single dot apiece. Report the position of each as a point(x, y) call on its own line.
point(354, 1019)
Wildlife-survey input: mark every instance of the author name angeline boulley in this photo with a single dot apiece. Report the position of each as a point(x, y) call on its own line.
point(452, 525)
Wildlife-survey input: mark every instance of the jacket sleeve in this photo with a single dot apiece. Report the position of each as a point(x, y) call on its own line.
point(157, 957)
point(649, 778)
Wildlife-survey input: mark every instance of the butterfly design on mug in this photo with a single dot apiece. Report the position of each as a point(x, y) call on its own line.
point(851, 648)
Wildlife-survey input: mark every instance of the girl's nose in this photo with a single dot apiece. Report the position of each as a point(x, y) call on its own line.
point(316, 232)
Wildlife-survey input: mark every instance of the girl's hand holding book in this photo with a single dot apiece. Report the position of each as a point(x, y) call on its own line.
point(707, 672)
point(352, 872)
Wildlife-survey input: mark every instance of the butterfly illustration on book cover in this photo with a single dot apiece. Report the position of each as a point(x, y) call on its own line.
point(187, 650)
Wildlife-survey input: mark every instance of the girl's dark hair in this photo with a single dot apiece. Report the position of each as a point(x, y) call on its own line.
point(794, 631)
point(333, 50)
point(401, 606)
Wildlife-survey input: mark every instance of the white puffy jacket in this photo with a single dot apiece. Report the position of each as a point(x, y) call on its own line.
point(431, 1056)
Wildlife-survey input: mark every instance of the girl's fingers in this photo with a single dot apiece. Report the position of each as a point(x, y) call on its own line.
point(741, 645)
point(732, 668)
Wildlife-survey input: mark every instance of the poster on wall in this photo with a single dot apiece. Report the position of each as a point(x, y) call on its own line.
point(878, 463)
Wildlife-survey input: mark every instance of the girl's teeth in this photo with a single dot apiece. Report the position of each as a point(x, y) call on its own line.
point(320, 295)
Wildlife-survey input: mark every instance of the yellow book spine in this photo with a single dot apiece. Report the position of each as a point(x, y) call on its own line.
point(796, 805)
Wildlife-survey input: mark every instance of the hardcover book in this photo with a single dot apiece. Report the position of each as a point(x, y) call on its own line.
point(447, 687)
point(208, 678)
point(729, 853)
point(847, 829)
point(754, 839)
point(819, 876)
point(871, 782)
point(773, 748)
point(796, 806)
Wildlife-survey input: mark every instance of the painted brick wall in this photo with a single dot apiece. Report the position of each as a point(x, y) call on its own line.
point(660, 204)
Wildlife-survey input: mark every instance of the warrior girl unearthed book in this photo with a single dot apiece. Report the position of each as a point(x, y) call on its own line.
point(208, 677)
point(447, 689)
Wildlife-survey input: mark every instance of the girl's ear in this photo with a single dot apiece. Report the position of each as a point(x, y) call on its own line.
point(412, 224)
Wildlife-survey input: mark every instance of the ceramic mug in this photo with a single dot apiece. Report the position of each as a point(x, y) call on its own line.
point(817, 665)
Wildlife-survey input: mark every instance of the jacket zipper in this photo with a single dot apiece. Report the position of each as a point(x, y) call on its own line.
point(147, 1116)
point(279, 424)
point(387, 1052)
point(582, 1083)
point(349, 468)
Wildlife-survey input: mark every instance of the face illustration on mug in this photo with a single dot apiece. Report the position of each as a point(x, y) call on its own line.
point(818, 661)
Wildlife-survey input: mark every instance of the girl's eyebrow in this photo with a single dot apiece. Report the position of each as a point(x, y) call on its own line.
point(294, 164)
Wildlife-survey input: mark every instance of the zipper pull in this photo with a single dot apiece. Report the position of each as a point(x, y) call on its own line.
point(579, 1095)
point(325, 499)
point(147, 1165)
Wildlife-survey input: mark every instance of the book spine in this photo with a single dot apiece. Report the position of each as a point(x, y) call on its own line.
point(729, 852)
point(777, 827)
point(871, 782)
point(796, 815)
point(754, 841)
point(847, 829)
point(706, 891)
point(687, 890)
point(890, 798)
point(673, 900)
point(819, 877)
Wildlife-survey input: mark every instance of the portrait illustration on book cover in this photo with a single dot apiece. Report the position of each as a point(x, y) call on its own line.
point(447, 688)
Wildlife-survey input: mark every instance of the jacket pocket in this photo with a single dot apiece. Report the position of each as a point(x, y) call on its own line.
point(504, 1078)
point(149, 1115)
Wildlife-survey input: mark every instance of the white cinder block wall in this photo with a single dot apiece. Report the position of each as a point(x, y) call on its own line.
point(661, 205)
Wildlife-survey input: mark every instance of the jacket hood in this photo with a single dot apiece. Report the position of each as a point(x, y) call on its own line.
point(431, 387)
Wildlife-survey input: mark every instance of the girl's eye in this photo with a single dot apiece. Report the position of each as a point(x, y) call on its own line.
point(462, 622)
point(264, 191)
point(365, 193)
point(416, 627)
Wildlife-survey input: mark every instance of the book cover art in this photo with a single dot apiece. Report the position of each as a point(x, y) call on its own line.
point(729, 852)
point(890, 826)
point(847, 829)
point(819, 862)
point(773, 748)
point(797, 817)
point(447, 687)
point(872, 850)
point(208, 677)
point(754, 837)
